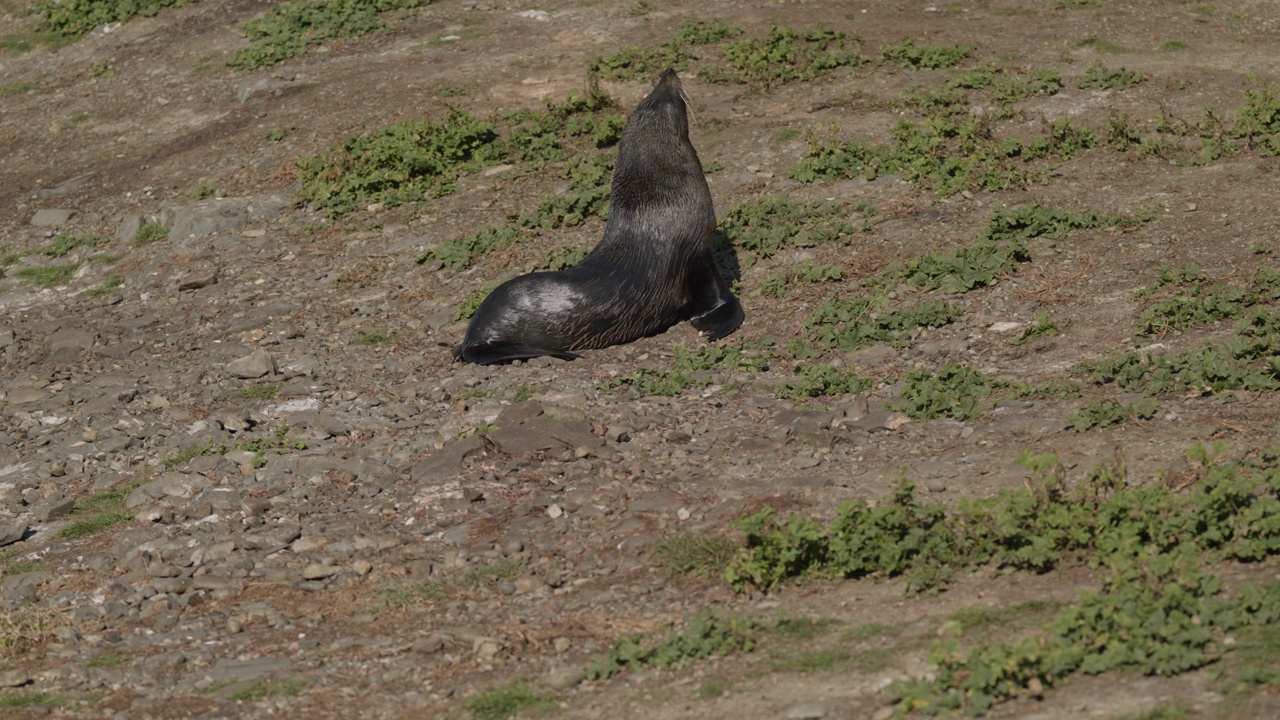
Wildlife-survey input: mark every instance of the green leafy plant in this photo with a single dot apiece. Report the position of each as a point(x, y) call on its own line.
point(406, 161)
point(783, 55)
point(586, 197)
point(460, 253)
point(711, 632)
point(471, 304)
point(952, 391)
point(75, 19)
point(372, 337)
point(1041, 326)
point(1108, 412)
point(203, 191)
point(639, 62)
point(777, 285)
point(63, 245)
point(908, 54)
point(822, 380)
point(775, 222)
point(564, 257)
point(690, 370)
point(289, 28)
point(1100, 77)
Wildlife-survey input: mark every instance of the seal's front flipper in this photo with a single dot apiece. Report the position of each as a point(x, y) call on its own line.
point(720, 320)
point(488, 353)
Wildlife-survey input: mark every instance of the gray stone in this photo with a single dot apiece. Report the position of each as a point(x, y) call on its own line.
point(518, 413)
point(228, 669)
point(70, 339)
point(880, 421)
point(26, 396)
point(129, 227)
point(448, 459)
point(53, 510)
point(804, 462)
point(432, 643)
point(198, 278)
point(544, 433)
point(22, 587)
point(221, 214)
point(254, 365)
point(564, 677)
point(807, 711)
point(52, 217)
point(12, 532)
point(319, 571)
point(657, 501)
point(16, 677)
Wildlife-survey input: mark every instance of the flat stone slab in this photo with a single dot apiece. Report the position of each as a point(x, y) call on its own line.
point(52, 217)
point(544, 433)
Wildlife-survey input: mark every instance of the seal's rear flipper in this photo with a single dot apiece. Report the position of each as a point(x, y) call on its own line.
point(720, 320)
point(488, 353)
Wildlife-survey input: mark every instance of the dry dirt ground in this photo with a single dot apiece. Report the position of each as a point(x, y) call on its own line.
point(381, 572)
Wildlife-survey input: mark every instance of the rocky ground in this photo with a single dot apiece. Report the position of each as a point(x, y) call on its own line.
point(246, 480)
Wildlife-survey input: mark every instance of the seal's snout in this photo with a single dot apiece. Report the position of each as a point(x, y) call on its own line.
point(669, 86)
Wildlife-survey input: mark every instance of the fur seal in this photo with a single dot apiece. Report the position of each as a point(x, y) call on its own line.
point(654, 267)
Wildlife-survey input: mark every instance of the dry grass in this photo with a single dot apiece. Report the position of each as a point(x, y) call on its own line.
point(27, 627)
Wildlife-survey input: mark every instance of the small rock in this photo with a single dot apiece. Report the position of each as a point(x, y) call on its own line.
point(12, 532)
point(564, 677)
point(429, 644)
point(129, 227)
point(318, 571)
point(197, 279)
point(804, 462)
point(935, 485)
point(555, 511)
point(254, 365)
point(14, 678)
point(806, 711)
point(51, 511)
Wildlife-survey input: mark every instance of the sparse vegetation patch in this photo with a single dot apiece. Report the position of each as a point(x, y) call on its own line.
point(688, 369)
point(73, 19)
point(289, 28)
point(712, 632)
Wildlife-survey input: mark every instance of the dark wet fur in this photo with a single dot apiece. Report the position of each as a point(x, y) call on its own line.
point(653, 268)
